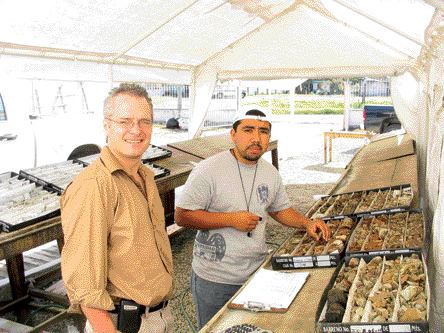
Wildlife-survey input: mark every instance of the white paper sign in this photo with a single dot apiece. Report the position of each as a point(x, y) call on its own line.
point(271, 289)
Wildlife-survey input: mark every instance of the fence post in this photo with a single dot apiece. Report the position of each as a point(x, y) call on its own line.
point(347, 97)
point(179, 101)
point(292, 100)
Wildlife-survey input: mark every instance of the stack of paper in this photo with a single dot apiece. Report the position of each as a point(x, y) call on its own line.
point(270, 290)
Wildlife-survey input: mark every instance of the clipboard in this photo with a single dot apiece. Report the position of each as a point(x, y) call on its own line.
point(256, 307)
point(268, 290)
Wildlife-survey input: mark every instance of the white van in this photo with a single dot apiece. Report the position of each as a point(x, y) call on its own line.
point(31, 136)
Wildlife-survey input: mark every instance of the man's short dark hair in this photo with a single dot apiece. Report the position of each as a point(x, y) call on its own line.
point(126, 88)
point(253, 112)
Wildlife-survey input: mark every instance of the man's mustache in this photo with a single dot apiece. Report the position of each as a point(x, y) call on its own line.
point(255, 145)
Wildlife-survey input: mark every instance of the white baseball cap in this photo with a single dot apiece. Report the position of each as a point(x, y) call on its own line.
point(252, 112)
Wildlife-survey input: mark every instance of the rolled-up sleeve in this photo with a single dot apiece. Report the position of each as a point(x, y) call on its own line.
point(86, 209)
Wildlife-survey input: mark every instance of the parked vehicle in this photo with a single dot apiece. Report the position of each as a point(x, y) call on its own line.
point(390, 124)
point(28, 139)
point(375, 115)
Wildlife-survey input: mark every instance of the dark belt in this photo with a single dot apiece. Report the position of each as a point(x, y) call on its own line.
point(155, 308)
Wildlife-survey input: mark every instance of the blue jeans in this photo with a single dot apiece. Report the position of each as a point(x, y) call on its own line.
point(209, 297)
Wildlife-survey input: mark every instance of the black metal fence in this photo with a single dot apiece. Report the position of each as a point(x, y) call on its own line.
point(173, 101)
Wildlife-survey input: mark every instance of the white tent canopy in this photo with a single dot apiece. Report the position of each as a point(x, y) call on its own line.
point(184, 34)
point(201, 41)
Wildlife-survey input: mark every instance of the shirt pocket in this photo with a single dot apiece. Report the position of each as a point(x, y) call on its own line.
point(157, 215)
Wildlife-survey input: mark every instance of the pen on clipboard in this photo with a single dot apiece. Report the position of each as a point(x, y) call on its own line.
point(250, 233)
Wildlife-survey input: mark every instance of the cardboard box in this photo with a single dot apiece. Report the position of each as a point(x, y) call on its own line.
point(370, 295)
point(6, 223)
point(154, 153)
point(391, 199)
point(55, 176)
point(159, 171)
point(301, 251)
point(384, 237)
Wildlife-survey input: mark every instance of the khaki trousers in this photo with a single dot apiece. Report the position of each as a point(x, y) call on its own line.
point(161, 321)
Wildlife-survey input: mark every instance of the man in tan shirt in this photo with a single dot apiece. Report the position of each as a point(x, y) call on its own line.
point(116, 246)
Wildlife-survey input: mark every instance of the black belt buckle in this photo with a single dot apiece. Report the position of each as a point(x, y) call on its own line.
point(128, 319)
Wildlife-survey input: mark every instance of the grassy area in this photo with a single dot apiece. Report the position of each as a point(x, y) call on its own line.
point(312, 104)
point(304, 104)
point(360, 105)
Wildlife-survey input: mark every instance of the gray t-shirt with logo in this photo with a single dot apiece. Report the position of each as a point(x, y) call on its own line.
point(227, 255)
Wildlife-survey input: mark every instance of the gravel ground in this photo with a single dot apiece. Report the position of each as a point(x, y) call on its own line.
point(300, 147)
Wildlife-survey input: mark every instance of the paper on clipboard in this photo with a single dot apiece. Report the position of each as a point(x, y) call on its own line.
point(270, 290)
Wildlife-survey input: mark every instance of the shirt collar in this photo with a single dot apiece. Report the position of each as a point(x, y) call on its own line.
point(112, 164)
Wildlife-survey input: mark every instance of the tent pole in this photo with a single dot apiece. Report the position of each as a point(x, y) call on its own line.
point(238, 95)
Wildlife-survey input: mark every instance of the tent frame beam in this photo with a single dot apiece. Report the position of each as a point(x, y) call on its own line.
point(325, 72)
point(369, 36)
point(72, 55)
point(246, 36)
point(378, 21)
point(155, 29)
point(217, 55)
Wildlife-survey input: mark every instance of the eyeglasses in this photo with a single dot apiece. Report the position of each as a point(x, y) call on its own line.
point(128, 123)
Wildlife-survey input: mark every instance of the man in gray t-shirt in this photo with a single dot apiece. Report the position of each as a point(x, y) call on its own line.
point(228, 198)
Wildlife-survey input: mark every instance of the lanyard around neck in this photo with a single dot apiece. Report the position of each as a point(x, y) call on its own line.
point(247, 202)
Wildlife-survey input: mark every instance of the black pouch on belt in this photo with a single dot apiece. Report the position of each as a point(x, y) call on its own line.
point(128, 319)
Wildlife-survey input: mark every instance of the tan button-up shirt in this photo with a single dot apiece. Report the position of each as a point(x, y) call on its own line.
point(116, 245)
